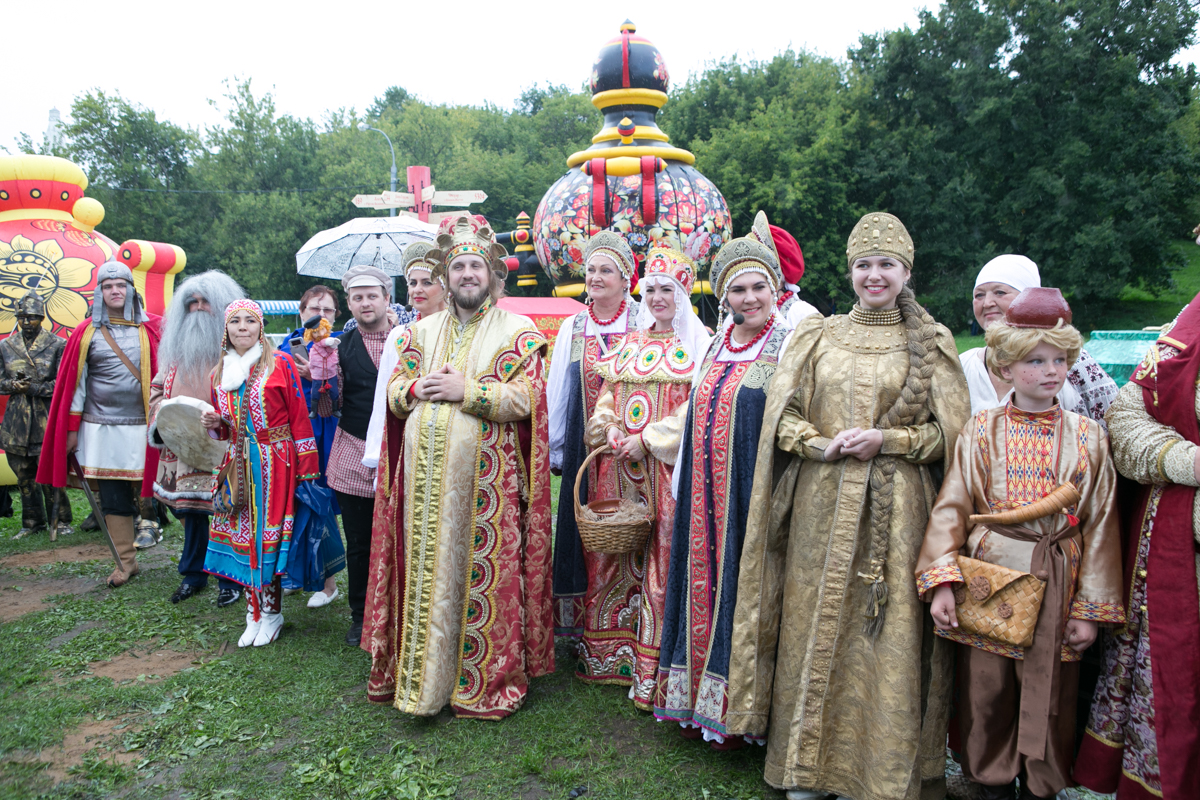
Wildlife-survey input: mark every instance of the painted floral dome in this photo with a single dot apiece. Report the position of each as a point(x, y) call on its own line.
point(631, 180)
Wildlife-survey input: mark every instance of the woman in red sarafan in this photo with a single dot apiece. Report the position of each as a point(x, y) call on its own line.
point(261, 412)
point(640, 415)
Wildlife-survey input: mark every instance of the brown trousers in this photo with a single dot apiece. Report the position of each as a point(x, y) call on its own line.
point(989, 711)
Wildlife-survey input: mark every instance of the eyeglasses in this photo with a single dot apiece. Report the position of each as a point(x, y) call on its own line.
point(326, 310)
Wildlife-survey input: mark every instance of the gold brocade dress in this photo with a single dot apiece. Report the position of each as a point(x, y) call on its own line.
point(647, 378)
point(843, 713)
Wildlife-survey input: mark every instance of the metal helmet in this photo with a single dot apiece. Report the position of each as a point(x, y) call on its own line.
point(31, 305)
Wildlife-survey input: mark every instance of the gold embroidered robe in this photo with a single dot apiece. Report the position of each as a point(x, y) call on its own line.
point(465, 597)
point(846, 715)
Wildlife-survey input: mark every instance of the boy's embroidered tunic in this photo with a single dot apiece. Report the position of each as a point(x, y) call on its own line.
point(1008, 458)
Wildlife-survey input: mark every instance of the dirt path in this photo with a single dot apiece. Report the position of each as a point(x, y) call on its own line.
point(156, 665)
point(90, 735)
point(20, 595)
point(57, 554)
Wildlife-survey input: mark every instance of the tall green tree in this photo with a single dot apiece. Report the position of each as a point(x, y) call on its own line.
point(1041, 127)
point(777, 136)
point(138, 166)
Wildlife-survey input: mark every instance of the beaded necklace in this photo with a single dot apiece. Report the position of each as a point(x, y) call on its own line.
point(875, 316)
point(783, 298)
point(604, 322)
point(741, 348)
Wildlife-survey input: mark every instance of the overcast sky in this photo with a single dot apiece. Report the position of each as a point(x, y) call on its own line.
point(173, 57)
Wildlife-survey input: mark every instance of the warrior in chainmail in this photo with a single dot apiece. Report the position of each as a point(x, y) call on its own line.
point(100, 406)
point(29, 361)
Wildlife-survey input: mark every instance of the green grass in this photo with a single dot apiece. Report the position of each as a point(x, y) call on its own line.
point(291, 720)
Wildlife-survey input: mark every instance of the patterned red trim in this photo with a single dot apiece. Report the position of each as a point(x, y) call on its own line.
point(996, 648)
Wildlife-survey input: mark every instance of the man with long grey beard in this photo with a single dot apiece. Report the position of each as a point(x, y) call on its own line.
point(191, 346)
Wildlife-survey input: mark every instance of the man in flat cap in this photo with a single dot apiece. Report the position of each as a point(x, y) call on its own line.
point(100, 405)
point(29, 362)
point(368, 292)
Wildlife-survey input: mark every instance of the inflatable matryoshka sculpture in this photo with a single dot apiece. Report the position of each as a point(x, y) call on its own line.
point(48, 242)
point(631, 180)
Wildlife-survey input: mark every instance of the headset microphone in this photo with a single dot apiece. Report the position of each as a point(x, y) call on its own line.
point(737, 317)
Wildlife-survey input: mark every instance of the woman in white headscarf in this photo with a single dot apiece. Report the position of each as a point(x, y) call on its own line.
point(640, 415)
point(1088, 391)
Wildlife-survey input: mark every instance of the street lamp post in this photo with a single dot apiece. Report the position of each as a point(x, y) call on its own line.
point(362, 126)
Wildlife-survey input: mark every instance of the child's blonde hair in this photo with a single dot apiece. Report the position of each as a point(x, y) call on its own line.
point(1007, 345)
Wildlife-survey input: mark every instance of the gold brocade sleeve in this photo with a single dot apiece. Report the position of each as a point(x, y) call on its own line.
point(500, 402)
point(399, 402)
point(603, 418)
point(1099, 593)
point(1144, 449)
point(947, 530)
point(917, 444)
point(796, 434)
point(661, 439)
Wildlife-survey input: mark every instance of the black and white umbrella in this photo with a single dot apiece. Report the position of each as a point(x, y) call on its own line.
point(365, 240)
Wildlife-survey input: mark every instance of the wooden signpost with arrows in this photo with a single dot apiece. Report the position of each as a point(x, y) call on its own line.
point(420, 198)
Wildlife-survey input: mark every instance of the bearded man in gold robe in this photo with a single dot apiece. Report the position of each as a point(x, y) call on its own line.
point(459, 595)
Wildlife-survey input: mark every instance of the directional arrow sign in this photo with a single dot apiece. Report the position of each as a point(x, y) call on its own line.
point(374, 201)
point(465, 198)
point(400, 199)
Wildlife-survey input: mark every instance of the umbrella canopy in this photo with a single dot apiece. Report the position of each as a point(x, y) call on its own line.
point(377, 241)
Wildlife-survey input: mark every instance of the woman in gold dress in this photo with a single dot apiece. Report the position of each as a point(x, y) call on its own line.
point(830, 642)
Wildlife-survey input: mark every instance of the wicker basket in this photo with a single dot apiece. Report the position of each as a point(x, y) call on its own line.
point(998, 603)
point(601, 536)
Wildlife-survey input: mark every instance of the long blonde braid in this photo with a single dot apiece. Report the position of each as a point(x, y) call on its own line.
point(912, 407)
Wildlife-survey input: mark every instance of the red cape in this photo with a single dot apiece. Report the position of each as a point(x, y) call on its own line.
point(52, 466)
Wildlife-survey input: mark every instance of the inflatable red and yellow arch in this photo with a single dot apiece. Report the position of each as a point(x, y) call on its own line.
point(48, 243)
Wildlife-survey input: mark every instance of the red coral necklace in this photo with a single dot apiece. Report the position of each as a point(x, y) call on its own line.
point(741, 348)
point(605, 322)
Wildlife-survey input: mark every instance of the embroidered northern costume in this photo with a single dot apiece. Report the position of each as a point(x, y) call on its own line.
point(572, 389)
point(458, 603)
point(647, 377)
point(833, 656)
point(265, 420)
point(713, 477)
